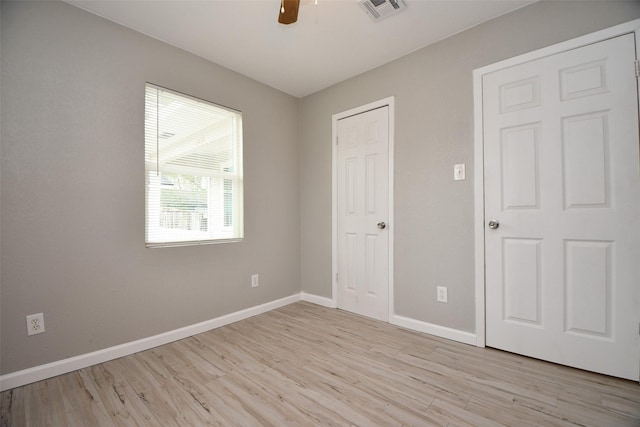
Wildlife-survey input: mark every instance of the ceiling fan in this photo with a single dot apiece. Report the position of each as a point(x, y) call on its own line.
point(288, 11)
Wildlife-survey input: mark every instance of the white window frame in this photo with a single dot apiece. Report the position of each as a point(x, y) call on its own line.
point(163, 133)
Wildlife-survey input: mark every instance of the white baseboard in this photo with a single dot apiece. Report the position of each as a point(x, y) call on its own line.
point(431, 329)
point(318, 300)
point(49, 370)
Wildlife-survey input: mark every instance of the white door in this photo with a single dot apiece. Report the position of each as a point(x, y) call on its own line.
point(562, 184)
point(363, 212)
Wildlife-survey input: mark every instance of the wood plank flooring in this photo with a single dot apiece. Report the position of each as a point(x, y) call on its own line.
point(308, 365)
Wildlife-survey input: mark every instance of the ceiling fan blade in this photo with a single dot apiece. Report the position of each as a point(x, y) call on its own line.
point(290, 14)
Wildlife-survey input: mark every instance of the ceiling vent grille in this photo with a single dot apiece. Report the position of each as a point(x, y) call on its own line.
point(380, 9)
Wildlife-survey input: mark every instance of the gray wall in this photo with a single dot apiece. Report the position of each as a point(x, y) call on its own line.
point(72, 192)
point(434, 242)
point(72, 181)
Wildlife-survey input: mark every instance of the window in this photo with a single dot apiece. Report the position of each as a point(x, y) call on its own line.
point(193, 170)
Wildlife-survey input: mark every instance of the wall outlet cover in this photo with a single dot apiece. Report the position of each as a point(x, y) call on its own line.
point(35, 324)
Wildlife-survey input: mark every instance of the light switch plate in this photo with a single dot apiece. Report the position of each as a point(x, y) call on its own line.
point(458, 172)
point(441, 295)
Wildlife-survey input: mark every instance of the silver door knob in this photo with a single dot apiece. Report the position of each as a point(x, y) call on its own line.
point(382, 225)
point(493, 224)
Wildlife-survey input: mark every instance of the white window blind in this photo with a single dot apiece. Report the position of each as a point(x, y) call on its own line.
point(193, 169)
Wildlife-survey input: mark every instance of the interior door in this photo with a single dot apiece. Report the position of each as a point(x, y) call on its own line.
point(363, 212)
point(562, 208)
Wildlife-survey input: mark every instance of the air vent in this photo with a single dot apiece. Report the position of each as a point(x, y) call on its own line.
point(380, 9)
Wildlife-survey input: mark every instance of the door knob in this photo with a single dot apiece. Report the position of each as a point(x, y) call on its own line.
point(493, 224)
point(382, 225)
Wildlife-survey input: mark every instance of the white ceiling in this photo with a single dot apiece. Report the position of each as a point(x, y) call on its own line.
point(330, 42)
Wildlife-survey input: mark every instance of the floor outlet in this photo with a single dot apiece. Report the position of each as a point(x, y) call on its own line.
point(255, 280)
point(442, 294)
point(35, 324)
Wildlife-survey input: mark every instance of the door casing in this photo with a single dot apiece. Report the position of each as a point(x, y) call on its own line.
point(479, 219)
point(390, 102)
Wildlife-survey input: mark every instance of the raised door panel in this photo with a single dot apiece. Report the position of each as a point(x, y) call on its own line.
point(588, 288)
point(585, 149)
point(522, 284)
point(520, 182)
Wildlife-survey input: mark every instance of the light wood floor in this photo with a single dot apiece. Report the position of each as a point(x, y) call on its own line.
point(308, 365)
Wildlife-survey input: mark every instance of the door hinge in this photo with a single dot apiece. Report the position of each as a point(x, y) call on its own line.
point(637, 67)
point(337, 137)
point(337, 278)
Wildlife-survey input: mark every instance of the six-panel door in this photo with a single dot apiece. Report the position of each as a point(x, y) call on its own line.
point(363, 212)
point(562, 179)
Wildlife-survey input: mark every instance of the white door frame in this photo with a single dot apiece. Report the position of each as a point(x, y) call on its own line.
point(618, 30)
point(390, 102)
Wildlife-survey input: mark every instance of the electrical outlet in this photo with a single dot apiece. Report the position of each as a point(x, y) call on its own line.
point(441, 294)
point(255, 280)
point(35, 324)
